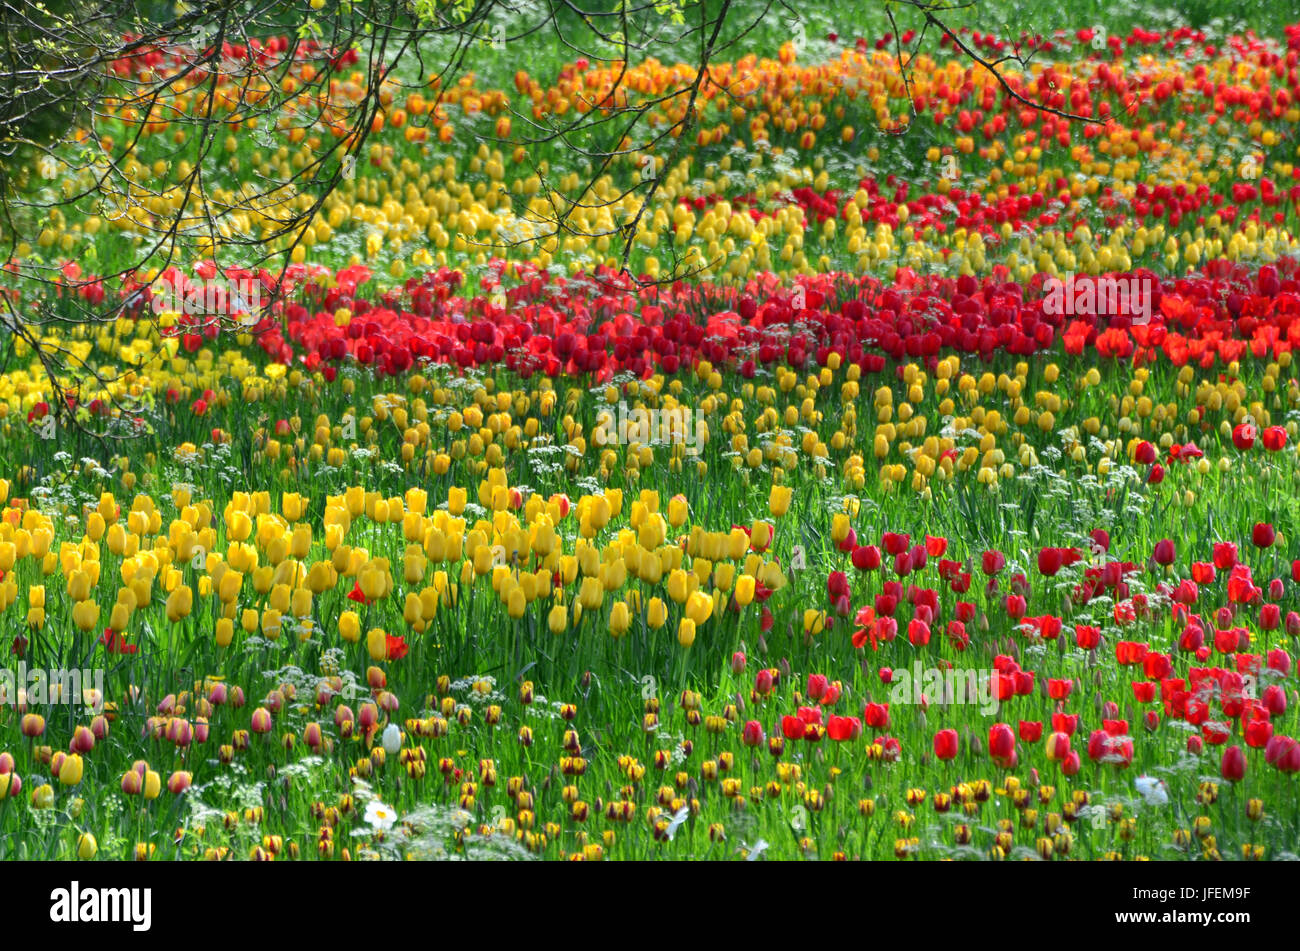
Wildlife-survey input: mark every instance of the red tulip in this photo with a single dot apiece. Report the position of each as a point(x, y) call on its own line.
point(895, 543)
point(945, 744)
point(876, 715)
point(1225, 555)
point(1283, 753)
point(1087, 636)
point(843, 728)
point(1257, 733)
point(1274, 700)
point(1050, 561)
point(817, 684)
point(1059, 689)
point(792, 727)
point(1233, 765)
point(1164, 552)
point(1274, 438)
point(866, 558)
point(918, 633)
point(1002, 745)
point(1263, 535)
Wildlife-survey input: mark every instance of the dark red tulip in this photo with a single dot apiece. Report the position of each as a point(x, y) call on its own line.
point(1163, 554)
point(866, 558)
point(1262, 535)
point(1233, 765)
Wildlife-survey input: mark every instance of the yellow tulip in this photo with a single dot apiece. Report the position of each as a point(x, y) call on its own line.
point(619, 619)
point(677, 586)
point(699, 607)
point(85, 614)
point(744, 593)
point(71, 770)
point(778, 501)
point(87, 847)
point(179, 604)
point(656, 613)
point(456, 500)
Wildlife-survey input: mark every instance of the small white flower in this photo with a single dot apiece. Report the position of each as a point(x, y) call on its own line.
point(1153, 790)
point(380, 816)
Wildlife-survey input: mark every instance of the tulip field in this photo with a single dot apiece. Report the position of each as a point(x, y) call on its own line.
point(924, 487)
